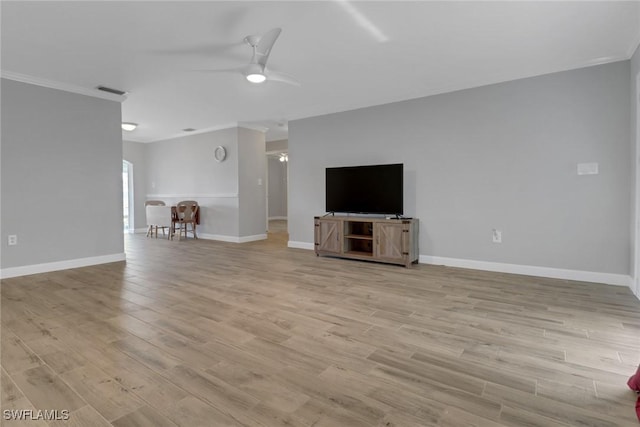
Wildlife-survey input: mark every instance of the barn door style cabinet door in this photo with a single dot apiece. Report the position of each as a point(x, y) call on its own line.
point(393, 241)
point(328, 236)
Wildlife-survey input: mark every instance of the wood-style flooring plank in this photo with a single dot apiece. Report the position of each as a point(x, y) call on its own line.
point(143, 417)
point(106, 395)
point(46, 390)
point(15, 355)
point(86, 416)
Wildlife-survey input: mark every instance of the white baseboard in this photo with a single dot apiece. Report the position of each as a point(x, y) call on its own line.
point(219, 237)
point(529, 270)
point(245, 239)
point(193, 195)
point(141, 230)
point(232, 239)
point(26, 270)
point(300, 245)
point(277, 218)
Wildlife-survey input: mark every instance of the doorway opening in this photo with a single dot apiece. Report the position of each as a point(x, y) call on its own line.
point(277, 192)
point(127, 197)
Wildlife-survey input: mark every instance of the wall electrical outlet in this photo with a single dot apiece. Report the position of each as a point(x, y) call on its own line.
point(497, 236)
point(12, 240)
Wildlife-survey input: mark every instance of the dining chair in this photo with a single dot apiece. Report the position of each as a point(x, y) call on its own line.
point(186, 214)
point(188, 202)
point(158, 216)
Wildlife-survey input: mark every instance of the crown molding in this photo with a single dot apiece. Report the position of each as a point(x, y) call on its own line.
point(253, 126)
point(232, 125)
point(183, 134)
point(67, 87)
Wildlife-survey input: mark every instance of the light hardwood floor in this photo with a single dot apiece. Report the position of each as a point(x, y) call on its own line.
point(202, 333)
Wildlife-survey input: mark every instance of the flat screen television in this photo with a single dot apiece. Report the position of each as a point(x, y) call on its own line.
point(375, 189)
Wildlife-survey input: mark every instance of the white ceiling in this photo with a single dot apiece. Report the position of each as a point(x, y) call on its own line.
point(346, 54)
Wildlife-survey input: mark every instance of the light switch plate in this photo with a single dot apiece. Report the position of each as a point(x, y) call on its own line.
point(587, 169)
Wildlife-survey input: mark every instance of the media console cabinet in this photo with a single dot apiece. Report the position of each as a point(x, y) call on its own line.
point(393, 241)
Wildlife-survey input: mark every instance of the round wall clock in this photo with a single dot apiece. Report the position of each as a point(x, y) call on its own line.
point(220, 153)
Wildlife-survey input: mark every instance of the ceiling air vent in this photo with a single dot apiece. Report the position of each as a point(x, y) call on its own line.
point(188, 130)
point(111, 90)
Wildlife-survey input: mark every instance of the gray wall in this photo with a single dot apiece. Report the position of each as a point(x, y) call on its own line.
point(252, 178)
point(502, 156)
point(187, 164)
point(135, 153)
point(633, 91)
point(61, 174)
point(277, 187)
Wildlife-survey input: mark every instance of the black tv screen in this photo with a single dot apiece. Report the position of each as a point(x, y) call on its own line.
point(373, 189)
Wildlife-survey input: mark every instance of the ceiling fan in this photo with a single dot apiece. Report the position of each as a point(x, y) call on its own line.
point(256, 70)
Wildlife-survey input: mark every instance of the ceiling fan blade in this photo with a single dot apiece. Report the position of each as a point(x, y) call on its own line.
point(208, 49)
point(277, 76)
point(228, 51)
point(222, 70)
point(266, 42)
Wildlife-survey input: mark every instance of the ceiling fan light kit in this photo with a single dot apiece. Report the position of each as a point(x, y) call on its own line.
point(255, 73)
point(256, 78)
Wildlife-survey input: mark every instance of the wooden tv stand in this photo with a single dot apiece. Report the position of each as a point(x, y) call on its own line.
point(394, 241)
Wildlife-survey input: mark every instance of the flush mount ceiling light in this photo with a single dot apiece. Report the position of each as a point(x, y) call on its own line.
point(284, 157)
point(129, 126)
